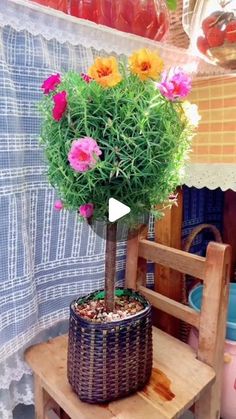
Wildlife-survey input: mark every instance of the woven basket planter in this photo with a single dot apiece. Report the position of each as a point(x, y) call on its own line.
point(107, 361)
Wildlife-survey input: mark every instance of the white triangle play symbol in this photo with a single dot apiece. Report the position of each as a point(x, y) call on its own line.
point(117, 210)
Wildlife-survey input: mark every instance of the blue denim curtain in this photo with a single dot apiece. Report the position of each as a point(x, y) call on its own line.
point(202, 206)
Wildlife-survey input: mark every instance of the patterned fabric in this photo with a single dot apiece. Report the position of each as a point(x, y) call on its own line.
point(215, 141)
point(47, 258)
point(213, 160)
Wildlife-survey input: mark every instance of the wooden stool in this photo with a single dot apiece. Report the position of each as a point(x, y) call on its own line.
point(179, 379)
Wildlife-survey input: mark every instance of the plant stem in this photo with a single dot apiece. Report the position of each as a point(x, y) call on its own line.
point(110, 266)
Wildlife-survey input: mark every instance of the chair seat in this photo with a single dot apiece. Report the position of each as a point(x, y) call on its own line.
point(177, 381)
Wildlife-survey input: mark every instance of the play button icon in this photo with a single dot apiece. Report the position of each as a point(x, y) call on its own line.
point(117, 210)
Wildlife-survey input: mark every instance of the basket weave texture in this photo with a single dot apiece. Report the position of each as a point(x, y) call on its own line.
point(107, 361)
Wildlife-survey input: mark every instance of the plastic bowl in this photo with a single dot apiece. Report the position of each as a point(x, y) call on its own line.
point(195, 301)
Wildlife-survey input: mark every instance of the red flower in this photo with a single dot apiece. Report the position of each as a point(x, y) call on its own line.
point(86, 210)
point(51, 83)
point(58, 206)
point(60, 105)
point(86, 77)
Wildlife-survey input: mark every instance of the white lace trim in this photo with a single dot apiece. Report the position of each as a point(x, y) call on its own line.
point(21, 394)
point(212, 176)
point(13, 369)
point(16, 381)
point(50, 23)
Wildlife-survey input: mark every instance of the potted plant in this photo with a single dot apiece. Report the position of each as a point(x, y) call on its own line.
point(123, 131)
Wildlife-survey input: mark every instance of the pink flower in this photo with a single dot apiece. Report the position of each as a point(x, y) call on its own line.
point(60, 105)
point(58, 206)
point(86, 210)
point(86, 77)
point(84, 154)
point(175, 85)
point(51, 83)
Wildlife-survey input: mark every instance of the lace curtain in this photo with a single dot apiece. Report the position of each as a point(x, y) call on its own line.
point(47, 258)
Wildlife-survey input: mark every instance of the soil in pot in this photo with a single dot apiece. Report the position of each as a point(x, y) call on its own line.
point(95, 310)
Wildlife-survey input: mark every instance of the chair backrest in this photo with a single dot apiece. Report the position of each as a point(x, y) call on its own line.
point(213, 270)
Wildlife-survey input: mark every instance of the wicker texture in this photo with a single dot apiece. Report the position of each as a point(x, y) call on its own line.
point(109, 360)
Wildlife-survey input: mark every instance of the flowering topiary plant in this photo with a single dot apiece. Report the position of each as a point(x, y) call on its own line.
point(120, 131)
point(115, 132)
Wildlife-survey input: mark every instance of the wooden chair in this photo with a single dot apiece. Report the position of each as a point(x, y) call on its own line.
point(179, 378)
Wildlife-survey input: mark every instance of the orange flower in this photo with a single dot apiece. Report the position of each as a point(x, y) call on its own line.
point(146, 64)
point(105, 71)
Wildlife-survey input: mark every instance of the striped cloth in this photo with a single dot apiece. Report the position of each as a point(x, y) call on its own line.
point(47, 258)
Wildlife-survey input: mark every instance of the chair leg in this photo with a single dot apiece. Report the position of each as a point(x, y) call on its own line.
point(208, 405)
point(43, 402)
point(38, 398)
point(45, 406)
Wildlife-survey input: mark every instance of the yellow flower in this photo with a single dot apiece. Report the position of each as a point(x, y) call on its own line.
point(146, 64)
point(105, 71)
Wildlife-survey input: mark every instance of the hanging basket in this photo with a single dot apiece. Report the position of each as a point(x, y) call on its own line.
point(185, 327)
point(107, 361)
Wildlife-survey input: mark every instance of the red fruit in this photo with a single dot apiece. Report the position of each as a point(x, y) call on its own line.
point(208, 23)
point(202, 44)
point(230, 32)
point(215, 37)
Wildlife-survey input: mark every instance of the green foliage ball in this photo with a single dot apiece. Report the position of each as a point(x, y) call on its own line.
point(144, 140)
